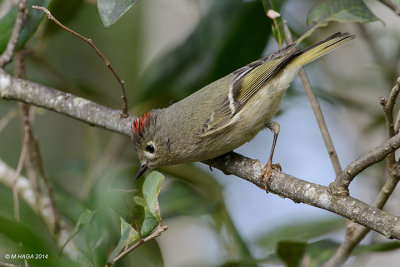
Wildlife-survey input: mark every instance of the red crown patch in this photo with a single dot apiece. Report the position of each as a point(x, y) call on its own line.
point(139, 124)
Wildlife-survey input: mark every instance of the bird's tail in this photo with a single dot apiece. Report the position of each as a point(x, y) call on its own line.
point(319, 49)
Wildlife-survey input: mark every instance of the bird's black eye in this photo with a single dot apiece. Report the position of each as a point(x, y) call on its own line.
point(150, 149)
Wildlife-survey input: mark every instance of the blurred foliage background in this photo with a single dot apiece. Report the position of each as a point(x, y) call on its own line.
point(166, 50)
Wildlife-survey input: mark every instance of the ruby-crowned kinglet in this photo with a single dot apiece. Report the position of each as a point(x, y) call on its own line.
point(226, 113)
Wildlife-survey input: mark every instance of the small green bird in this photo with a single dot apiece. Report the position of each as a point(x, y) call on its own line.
point(226, 113)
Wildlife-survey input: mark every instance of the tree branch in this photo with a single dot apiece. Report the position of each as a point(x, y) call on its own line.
point(316, 108)
point(298, 190)
point(392, 5)
point(41, 206)
point(388, 105)
point(76, 107)
point(340, 185)
point(155, 234)
point(7, 55)
point(355, 233)
point(124, 113)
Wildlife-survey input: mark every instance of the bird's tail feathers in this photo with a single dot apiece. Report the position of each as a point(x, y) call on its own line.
point(319, 49)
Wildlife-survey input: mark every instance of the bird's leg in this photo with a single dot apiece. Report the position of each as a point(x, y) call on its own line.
point(267, 171)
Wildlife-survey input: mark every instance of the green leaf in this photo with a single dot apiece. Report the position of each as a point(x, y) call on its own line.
point(321, 251)
point(139, 210)
point(151, 189)
point(232, 34)
point(83, 220)
point(33, 19)
point(300, 231)
point(380, 247)
point(343, 11)
point(20, 233)
point(111, 10)
point(128, 237)
point(291, 252)
point(181, 199)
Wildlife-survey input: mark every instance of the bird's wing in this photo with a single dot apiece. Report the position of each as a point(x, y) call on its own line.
point(246, 83)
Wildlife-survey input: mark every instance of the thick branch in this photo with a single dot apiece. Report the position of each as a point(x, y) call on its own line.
point(232, 163)
point(79, 108)
point(41, 206)
point(301, 191)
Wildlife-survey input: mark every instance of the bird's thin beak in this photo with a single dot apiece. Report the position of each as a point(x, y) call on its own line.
point(141, 171)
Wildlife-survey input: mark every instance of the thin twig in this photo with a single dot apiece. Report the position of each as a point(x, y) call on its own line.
point(124, 113)
point(307, 33)
point(20, 73)
point(316, 108)
point(355, 233)
point(392, 5)
point(155, 234)
point(38, 157)
point(397, 123)
point(26, 111)
point(8, 53)
point(341, 183)
point(17, 175)
point(7, 118)
point(388, 105)
point(272, 14)
point(40, 207)
point(31, 142)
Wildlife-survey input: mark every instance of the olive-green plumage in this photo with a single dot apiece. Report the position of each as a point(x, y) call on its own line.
point(226, 113)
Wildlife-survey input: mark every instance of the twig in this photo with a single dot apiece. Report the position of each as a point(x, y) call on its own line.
point(355, 233)
point(7, 118)
point(392, 5)
point(17, 175)
point(232, 163)
point(20, 73)
point(307, 33)
point(155, 234)
point(316, 108)
point(25, 111)
point(49, 187)
point(397, 123)
point(388, 105)
point(341, 183)
point(41, 206)
point(124, 113)
point(30, 139)
point(8, 53)
point(29, 160)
